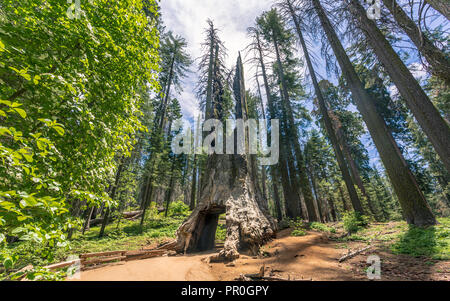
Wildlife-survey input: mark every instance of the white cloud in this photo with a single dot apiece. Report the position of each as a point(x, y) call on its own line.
point(188, 19)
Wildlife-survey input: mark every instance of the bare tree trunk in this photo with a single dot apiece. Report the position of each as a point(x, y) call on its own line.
point(228, 188)
point(440, 64)
point(429, 118)
point(415, 207)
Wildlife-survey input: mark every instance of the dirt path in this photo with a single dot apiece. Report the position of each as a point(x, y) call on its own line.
point(180, 268)
point(311, 257)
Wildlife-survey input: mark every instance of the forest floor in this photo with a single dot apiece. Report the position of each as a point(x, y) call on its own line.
point(406, 254)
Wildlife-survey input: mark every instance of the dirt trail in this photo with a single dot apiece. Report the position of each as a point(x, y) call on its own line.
point(180, 268)
point(311, 257)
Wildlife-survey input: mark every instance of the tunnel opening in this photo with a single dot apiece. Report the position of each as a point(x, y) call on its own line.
point(206, 229)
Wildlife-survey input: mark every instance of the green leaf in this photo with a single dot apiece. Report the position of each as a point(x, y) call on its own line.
point(59, 129)
point(2, 46)
point(28, 157)
point(36, 79)
point(8, 263)
point(22, 218)
point(4, 130)
point(21, 112)
point(7, 205)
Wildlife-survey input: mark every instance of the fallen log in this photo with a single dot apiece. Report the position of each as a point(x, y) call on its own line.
point(353, 254)
point(170, 246)
point(61, 265)
point(144, 255)
point(260, 275)
point(131, 214)
point(95, 222)
point(103, 260)
point(133, 218)
point(102, 254)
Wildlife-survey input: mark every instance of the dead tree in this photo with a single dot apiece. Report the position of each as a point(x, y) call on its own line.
point(229, 189)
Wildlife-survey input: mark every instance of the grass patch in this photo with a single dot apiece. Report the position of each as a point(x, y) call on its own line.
point(433, 242)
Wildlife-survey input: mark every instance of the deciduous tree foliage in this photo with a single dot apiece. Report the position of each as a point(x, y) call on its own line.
point(70, 105)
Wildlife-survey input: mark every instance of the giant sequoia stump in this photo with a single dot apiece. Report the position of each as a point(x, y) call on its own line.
point(228, 187)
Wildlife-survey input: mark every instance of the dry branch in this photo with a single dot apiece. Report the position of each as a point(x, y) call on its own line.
point(353, 254)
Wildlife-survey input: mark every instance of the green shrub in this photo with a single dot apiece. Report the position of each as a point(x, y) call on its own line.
point(297, 223)
point(298, 232)
point(178, 208)
point(321, 227)
point(221, 232)
point(353, 221)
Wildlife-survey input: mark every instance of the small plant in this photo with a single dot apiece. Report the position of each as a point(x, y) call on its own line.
point(297, 223)
point(298, 232)
point(321, 227)
point(353, 221)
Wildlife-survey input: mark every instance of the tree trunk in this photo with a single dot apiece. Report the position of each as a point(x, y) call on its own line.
point(167, 95)
point(327, 121)
point(356, 177)
point(316, 194)
point(112, 196)
point(429, 118)
point(169, 193)
point(263, 169)
point(87, 223)
point(347, 207)
point(209, 91)
point(439, 63)
point(289, 197)
point(229, 189)
point(415, 207)
point(276, 195)
point(194, 184)
point(304, 182)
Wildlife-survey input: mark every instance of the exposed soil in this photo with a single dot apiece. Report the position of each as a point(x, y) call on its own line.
point(311, 257)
